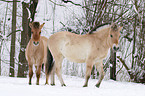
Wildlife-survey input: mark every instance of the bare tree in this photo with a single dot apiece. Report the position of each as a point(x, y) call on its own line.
point(13, 37)
point(25, 35)
point(24, 40)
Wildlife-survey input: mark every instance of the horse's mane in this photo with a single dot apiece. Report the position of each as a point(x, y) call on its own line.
point(36, 25)
point(99, 27)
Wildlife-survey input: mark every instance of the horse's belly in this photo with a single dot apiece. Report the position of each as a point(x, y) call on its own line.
point(77, 57)
point(76, 60)
point(75, 51)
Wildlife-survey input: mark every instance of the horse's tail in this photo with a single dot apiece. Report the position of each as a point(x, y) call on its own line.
point(49, 63)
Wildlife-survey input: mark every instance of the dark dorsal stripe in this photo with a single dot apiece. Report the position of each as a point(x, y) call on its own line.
point(98, 26)
point(36, 25)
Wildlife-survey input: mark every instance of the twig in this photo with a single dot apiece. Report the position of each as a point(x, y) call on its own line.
point(13, 32)
point(119, 70)
point(56, 3)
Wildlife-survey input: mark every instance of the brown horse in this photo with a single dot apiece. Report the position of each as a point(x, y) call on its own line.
point(89, 48)
point(37, 52)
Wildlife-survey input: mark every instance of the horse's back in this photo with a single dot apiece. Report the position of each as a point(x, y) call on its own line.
point(72, 46)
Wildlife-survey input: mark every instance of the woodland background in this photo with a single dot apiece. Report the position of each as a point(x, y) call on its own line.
point(78, 16)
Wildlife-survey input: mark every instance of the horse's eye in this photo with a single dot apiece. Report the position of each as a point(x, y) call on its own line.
point(39, 32)
point(111, 36)
point(32, 32)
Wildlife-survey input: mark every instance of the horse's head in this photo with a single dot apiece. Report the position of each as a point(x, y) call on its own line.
point(36, 31)
point(114, 35)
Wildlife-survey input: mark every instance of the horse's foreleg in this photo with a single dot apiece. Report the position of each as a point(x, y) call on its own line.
point(30, 73)
point(38, 73)
point(88, 73)
point(101, 73)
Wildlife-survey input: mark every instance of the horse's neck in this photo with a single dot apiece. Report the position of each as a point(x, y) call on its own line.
point(104, 35)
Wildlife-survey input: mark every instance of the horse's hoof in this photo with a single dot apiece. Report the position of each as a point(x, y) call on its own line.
point(37, 83)
point(46, 84)
point(30, 84)
point(63, 85)
point(97, 85)
point(85, 86)
point(52, 84)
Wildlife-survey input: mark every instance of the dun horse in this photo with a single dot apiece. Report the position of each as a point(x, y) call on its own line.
point(37, 52)
point(89, 48)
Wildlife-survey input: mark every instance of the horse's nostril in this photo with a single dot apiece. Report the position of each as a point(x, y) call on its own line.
point(115, 48)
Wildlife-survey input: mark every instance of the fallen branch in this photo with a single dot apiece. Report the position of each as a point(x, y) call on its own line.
point(126, 67)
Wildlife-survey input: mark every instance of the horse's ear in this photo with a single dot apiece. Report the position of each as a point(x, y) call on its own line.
point(30, 24)
point(41, 25)
point(120, 28)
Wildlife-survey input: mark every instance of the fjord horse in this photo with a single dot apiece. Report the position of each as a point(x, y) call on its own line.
point(89, 48)
point(37, 53)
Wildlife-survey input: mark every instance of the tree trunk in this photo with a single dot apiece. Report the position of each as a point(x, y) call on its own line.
point(113, 66)
point(134, 43)
point(54, 7)
point(24, 40)
point(13, 37)
point(32, 8)
point(0, 54)
point(1, 42)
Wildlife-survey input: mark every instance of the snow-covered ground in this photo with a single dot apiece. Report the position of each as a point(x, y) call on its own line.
point(19, 87)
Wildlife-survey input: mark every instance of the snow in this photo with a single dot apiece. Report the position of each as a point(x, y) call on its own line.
point(67, 15)
point(12, 86)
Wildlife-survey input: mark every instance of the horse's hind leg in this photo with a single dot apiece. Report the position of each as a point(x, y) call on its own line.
point(101, 73)
point(38, 73)
point(53, 77)
point(30, 73)
point(47, 77)
point(89, 66)
point(58, 65)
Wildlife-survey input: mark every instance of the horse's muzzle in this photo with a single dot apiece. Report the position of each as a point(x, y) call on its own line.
point(115, 47)
point(35, 43)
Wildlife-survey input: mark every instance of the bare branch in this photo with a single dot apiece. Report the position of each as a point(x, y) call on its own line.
point(66, 1)
point(13, 32)
point(98, 17)
point(10, 1)
point(56, 3)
